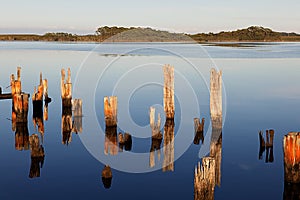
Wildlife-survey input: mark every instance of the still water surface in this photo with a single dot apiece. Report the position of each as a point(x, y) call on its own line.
point(261, 91)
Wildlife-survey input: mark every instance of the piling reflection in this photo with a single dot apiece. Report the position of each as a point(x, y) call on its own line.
point(114, 142)
point(204, 179)
point(156, 138)
point(107, 177)
point(168, 163)
point(37, 156)
point(71, 120)
point(266, 144)
point(21, 136)
point(198, 126)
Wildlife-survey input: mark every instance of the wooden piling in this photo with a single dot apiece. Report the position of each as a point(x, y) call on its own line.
point(169, 106)
point(204, 179)
point(19, 100)
point(215, 93)
point(110, 111)
point(168, 163)
point(291, 149)
point(199, 127)
point(155, 126)
point(66, 88)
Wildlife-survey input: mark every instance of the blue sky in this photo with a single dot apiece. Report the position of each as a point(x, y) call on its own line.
point(190, 16)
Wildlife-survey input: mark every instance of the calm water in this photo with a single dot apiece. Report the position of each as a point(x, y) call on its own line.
point(261, 91)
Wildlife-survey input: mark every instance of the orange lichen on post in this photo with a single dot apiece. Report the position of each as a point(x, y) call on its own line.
point(110, 111)
point(291, 148)
point(16, 87)
point(169, 106)
point(38, 94)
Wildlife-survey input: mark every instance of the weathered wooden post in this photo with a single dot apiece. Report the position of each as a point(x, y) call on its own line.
point(107, 176)
point(291, 150)
point(204, 179)
point(77, 115)
point(110, 111)
point(215, 94)
point(156, 138)
point(66, 96)
point(168, 163)
point(110, 116)
point(169, 106)
point(37, 102)
point(20, 100)
point(19, 112)
point(199, 127)
point(37, 156)
point(66, 89)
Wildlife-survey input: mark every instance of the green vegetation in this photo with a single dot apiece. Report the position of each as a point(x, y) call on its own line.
point(132, 34)
point(253, 33)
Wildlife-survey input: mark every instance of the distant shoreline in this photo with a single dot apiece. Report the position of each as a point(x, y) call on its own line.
point(252, 34)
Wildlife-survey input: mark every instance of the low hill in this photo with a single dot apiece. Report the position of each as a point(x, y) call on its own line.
point(253, 33)
point(133, 34)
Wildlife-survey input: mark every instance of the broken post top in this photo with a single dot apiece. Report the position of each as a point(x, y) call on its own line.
point(215, 94)
point(291, 149)
point(169, 106)
point(66, 85)
point(16, 84)
point(110, 110)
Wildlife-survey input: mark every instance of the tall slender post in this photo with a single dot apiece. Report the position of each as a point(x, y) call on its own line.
point(169, 106)
point(215, 94)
